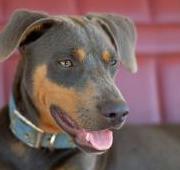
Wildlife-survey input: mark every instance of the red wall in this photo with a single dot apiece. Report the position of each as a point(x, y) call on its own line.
point(153, 93)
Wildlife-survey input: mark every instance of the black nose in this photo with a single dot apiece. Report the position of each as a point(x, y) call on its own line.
point(115, 111)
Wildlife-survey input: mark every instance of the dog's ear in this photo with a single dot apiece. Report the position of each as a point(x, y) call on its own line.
point(13, 33)
point(122, 34)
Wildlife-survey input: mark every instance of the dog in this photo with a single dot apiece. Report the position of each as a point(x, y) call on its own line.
point(65, 109)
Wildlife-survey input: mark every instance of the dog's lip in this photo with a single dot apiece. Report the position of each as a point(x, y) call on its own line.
point(64, 121)
point(79, 135)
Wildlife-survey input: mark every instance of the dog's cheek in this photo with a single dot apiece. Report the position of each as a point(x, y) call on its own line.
point(89, 115)
point(46, 93)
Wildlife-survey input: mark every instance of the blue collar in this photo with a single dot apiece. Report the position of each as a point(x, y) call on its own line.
point(33, 136)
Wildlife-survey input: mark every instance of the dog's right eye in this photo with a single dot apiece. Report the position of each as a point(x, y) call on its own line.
point(65, 63)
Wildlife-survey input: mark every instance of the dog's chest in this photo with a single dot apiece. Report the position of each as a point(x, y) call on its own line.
point(80, 161)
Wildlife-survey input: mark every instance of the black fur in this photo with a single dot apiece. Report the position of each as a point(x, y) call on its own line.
point(44, 40)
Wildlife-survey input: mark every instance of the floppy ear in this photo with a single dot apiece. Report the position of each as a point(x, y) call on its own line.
point(122, 34)
point(11, 36)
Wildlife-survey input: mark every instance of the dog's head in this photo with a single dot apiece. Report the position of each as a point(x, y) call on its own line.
point(70, 65)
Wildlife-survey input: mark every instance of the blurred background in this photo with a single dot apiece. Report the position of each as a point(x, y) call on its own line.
point(153, 93)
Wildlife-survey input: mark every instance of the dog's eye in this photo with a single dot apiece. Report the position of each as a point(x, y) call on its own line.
point(66, 63)
point(113, 62)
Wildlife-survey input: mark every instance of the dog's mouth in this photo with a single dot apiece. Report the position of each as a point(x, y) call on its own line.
point(90, 141)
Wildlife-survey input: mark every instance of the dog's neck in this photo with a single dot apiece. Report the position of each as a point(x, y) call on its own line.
point(26, 107)
point(23, 101)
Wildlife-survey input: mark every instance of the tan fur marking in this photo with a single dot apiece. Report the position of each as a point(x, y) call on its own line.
point(106, 56)
point(46, 93)
point(80, 54)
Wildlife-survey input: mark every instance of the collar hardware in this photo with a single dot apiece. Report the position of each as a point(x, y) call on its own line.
point(52, 140)
point(39, 138)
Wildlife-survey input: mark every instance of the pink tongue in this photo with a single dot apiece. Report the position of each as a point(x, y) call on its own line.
point(100, 140)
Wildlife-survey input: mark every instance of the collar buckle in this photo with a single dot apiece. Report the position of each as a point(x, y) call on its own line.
point(39, 139)
point(52, 141)
point(41, 135)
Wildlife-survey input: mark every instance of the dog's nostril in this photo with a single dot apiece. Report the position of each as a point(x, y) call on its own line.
point(125, 114)
point(112, 115)
point(115, 111)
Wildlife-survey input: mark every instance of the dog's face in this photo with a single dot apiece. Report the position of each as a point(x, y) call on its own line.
point(70, 65)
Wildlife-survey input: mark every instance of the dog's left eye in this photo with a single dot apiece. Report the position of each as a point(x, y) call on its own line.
point(65, 63)
point(113, 62)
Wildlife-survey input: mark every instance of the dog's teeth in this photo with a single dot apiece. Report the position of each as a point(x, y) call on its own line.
point(88, 137)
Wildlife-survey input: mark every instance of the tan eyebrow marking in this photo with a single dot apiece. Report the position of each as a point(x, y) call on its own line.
point(80, 54)
point(106, 56)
